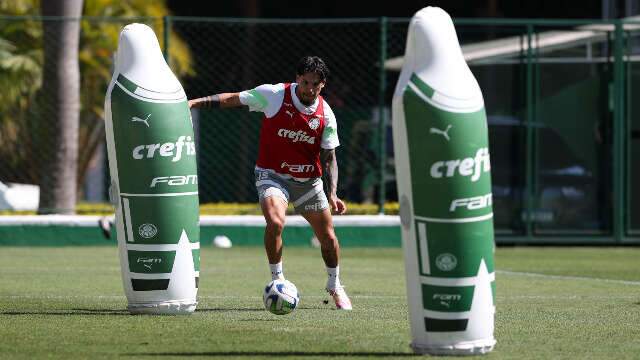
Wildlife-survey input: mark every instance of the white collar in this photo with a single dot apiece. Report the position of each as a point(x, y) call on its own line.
point(308, 110)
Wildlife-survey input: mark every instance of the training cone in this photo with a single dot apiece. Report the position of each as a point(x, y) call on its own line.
point(154, 184)
point(444, 187)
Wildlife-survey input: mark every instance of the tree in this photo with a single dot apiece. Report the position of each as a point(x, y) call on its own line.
point(20, 79)
point(61, 92)
point(25, 108)
point(99, 41)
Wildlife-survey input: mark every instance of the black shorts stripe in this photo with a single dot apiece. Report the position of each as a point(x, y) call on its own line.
point(149, 285)
point(436, 325)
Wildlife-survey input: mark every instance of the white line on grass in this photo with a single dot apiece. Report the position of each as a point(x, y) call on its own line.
point(307, 296)
point(566, 277)
point(226, 297)
point(62, 297)
point(566, 297)
point(93, 270)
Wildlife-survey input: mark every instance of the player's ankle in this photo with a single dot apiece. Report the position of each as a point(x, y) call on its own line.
point(276, 271)
point(333, 278)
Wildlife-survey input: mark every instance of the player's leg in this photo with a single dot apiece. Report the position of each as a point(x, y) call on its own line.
point(274, 198)
point(322, 225)
point(311, 202)
point(274, 210)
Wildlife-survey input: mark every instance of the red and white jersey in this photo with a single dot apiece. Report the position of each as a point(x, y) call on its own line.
point(292, 134)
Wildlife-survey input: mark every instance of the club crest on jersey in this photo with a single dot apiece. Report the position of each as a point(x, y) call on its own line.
point(314, 123)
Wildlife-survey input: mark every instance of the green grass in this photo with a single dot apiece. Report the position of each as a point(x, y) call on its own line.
point(69, 303)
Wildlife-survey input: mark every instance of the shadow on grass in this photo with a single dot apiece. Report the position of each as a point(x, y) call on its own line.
point(117, 311)
point(261, 309)
point(109, 312)
point(230, 309)
point(250, 354)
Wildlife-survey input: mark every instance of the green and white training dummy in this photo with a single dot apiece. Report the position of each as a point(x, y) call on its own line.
point(154, 183)
point(444, 187)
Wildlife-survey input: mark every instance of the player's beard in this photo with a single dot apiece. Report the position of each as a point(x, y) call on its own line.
point(307, 100)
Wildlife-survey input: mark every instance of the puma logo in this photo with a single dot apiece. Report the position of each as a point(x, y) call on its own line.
point(289, 113)
point(444, 133)
point(135, 118)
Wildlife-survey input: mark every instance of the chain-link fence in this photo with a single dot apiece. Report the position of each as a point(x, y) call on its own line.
point(28, 131)
point(231, 56)
point(564, 137)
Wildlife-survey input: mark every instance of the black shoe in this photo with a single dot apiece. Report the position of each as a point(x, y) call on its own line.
point(105, 225)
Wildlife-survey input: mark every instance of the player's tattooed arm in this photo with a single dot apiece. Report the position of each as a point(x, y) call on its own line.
point(329, 171)
point(223, 100)
point(330, 180)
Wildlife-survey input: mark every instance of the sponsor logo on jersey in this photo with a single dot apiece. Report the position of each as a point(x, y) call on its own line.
point(298, 168)
point(471, 166)
point(183, 145)
point(296, 136)
point(176, 180)
point(472, 203)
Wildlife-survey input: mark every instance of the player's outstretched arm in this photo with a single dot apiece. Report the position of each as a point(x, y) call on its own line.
point(222, 100)
point(330, 175)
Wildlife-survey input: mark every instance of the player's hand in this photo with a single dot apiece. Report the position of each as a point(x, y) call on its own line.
point(337, 205)
point(191, 103)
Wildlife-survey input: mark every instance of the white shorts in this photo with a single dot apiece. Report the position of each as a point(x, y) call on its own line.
point(305, 196)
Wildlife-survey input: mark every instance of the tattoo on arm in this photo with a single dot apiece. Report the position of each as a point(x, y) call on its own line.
point(329, 171)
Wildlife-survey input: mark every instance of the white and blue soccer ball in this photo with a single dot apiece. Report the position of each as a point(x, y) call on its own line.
point(280, 297)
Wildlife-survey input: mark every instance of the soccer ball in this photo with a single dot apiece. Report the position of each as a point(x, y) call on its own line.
point(280, 297)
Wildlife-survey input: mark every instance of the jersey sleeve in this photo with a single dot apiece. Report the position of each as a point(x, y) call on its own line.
point(265, 98)
point(330, 133)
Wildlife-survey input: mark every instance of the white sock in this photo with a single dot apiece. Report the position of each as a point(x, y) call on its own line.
point(276, 271)
point(333, 281)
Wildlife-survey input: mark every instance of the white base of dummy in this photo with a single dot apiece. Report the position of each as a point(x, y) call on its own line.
point(175, 307)
point(477, 347)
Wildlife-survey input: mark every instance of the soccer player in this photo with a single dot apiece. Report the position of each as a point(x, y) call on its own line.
point(296, 152)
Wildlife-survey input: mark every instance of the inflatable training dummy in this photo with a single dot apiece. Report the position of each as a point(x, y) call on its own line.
point(154, 183)
point(444, 187)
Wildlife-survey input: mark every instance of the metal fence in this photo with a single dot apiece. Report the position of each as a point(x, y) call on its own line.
point(564, 135)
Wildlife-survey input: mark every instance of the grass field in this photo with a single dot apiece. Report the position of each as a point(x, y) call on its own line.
point(552, 303)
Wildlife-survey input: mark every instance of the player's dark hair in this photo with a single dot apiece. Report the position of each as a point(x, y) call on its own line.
point(313, 64)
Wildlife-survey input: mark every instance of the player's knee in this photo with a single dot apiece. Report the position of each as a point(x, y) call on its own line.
point(275, 225)
point(329, 240)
